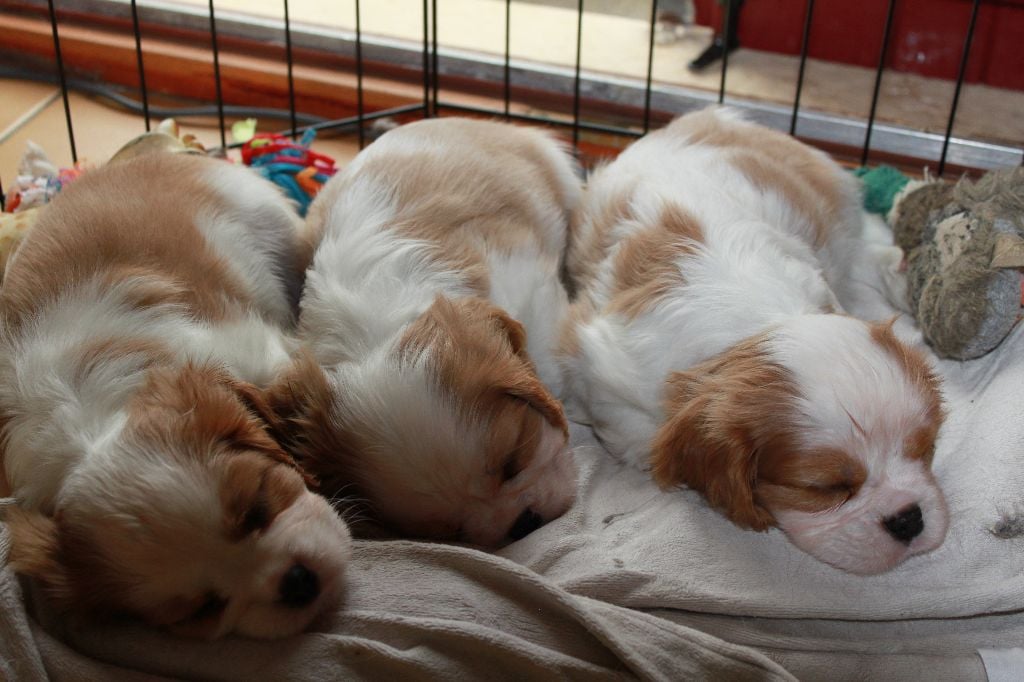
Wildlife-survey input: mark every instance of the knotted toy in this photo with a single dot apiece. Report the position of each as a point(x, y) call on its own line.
point(964, 252)
point(291, 165)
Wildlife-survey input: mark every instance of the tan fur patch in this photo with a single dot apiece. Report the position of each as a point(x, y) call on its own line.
point(108, 225)
point(776, 161)
point(647, 264)
point(721, 415)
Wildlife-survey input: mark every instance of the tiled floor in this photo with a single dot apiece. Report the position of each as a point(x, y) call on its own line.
point(31, 111)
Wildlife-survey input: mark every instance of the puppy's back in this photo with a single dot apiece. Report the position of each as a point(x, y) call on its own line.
point(224, 236)
point(459, 179)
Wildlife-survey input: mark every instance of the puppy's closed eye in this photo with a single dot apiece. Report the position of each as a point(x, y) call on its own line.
point(255, 489)
point(211, 607)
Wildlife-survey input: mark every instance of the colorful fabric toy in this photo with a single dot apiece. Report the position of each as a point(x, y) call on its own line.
point(291, 165)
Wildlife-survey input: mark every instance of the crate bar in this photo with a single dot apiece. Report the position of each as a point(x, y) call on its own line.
point(533, 118)
point(63, 80)
point(359, 77)
point(878, 82)
point(650, 66)
point(803, 63)
point(426, 59)
point(138, 58)
point(351, 121)
point(216, 77)
point(961, 74)
point(725, 48)
point(576, 81)
point(507, 72)
point(3, 201)
point(435, 75)
point(291, 68)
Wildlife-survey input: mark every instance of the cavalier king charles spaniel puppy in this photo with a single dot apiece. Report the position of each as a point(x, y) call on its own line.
point(142, 315)
point(707, 344)
point(431, 312)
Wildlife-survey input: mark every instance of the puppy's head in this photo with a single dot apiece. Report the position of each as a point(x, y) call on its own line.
point(824, 427)
point(448, 433)
point(191, 517)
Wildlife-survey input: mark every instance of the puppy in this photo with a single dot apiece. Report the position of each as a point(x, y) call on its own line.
point(707, 344)
point(433, 305)
point(141, 315)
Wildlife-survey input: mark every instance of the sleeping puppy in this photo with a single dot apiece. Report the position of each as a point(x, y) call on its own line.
point(707, 344)
point(141, 315)
point(432, 305)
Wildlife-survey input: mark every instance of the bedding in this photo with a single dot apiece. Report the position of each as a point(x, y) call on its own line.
point(637, 583)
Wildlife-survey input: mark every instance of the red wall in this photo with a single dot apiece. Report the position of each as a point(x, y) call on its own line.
point(927, 35)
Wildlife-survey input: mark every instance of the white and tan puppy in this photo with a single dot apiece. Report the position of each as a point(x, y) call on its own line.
point(141, 315)
point(707, 344)
point(433, 304)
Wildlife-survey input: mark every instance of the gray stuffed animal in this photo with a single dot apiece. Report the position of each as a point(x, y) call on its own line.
point(964, 249)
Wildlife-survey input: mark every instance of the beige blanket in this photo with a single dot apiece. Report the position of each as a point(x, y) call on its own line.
point(413, 611)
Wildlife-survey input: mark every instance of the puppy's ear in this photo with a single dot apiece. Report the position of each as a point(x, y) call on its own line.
point(36, 552)
point(719, 417)
point(203, 404)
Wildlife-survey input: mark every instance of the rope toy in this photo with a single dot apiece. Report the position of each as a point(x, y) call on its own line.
point(291, 165)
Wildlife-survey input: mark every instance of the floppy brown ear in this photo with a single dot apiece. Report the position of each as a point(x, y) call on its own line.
point(206, 404)
point(719, 415)
point(529, 388)
point(36, 552)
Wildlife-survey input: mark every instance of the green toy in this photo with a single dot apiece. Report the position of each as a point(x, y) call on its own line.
point(963, 245)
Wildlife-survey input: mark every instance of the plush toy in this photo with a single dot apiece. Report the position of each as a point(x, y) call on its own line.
point(964, 251)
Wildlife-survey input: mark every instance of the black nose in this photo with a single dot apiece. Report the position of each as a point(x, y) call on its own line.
point(906, 524)
point(527, 522)
point(299, 586)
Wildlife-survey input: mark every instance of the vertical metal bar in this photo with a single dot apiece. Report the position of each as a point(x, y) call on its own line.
point(961, 74)
point(650, 67)
point(725, 48)
point(3, 201)
point(216, 77)
point(359, 77)
point(508, 67)
point(803, 64)
point(426, 59)
point(63, 81)
point(138, 59)
point(576, 84)
point(291, 68)
point(878, 82)
point(435, 74)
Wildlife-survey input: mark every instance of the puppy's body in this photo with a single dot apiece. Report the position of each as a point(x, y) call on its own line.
point(707, 343)
point(433, 303)
point(141, 314)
